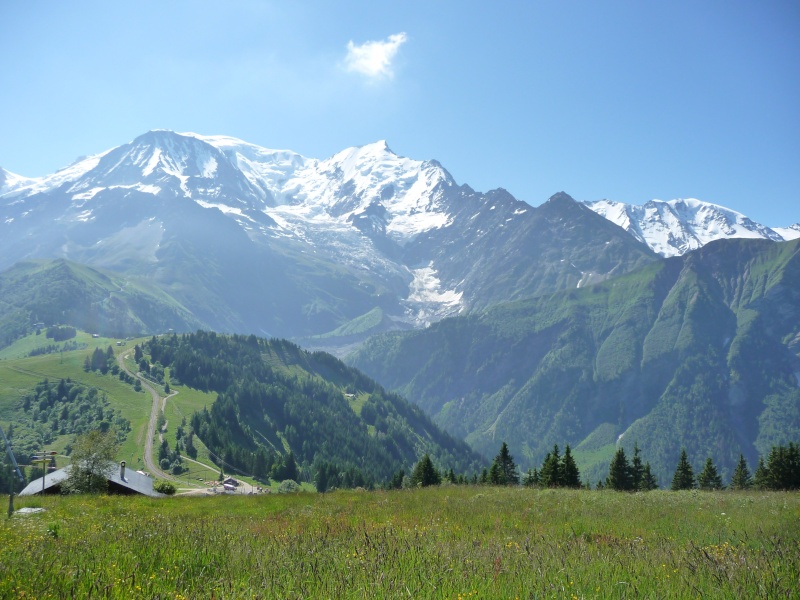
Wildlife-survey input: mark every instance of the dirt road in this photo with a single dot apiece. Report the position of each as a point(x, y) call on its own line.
point(149, 463)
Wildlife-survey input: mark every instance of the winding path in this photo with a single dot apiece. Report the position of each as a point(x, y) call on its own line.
point(158, 405)
point(151, 426)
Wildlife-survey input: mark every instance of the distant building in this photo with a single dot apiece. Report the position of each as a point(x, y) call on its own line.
point(120, 481)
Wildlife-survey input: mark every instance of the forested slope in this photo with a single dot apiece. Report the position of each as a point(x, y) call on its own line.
point(274, 399)
point(699, 351)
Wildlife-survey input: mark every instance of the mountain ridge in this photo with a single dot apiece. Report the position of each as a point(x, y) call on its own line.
point(270, 242)
point(701, 350)
point(674, 227)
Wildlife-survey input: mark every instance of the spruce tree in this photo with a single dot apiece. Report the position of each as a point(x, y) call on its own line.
point(648, 481)
point(709, 478)
point(531, 478)
point(570, 475)
point(741, 480)
point(550, 473)
point(637, 469)
point(424, 473)
point(761, 478)
point(619, 472)
point(321, 479)
point(506, 469)
point(783, 466)
point(484, 476)
point(496, 475)
point(683, 479)
point(451, 476)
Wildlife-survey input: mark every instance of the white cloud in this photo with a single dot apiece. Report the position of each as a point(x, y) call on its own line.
point(374, 59)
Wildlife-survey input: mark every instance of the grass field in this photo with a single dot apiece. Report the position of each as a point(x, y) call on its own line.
point(20, 375)
point(447, 542)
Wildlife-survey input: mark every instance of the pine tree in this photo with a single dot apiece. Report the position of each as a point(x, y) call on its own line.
point(709, 478)
point(424, 473)
point(637, 469)
point(761, 478)
point(683, 479)
point(506, 469)
point(619, 472)
point(648, 481)
point(321, 478)
point(484, 476)
point(496, 475)
point(570, 475)
point(451, 476)
point(550, 473)
point(783, 466)
point(741, 480)
point(292, 471)
point(531, 478)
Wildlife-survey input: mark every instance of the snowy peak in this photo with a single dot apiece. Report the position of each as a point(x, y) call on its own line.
point(172, 165)
point(675, 227)
point(11, 181)
point(788, 233)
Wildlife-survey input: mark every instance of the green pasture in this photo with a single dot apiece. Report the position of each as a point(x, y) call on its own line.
point(20, 375)
point(446, 542)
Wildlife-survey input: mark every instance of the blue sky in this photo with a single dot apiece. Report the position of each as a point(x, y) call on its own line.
point(622, 100)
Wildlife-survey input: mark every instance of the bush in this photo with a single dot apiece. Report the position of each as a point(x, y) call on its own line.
point(287, 486)
point(163, 486)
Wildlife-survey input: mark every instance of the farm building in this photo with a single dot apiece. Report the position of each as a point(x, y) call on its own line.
point(120, 481)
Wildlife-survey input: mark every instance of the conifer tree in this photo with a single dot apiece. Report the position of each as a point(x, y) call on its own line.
point(496, 475)
point(637, 469)
point(321, 479)
point(741, 480)
point(531, 478)
point(683, 479)
point(709, 478)
point(761, 479)
point(550, 473)
point(619, 472)
point(648, 481)
point(570, 475)
point(506, 472)
point(425, 473)
point(783, 466)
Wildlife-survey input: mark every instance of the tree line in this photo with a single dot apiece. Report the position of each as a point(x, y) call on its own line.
point(283, 413)
point(780, 471)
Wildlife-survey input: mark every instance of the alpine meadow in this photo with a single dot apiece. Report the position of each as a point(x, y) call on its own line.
point(337, 367)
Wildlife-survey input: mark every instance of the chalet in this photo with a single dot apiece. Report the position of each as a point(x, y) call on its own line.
point(120, 481)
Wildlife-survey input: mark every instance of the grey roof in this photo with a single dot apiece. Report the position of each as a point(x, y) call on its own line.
point(133, 481)
point(50, 480)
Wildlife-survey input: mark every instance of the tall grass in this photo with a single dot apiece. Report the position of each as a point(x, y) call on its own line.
point(448, 542)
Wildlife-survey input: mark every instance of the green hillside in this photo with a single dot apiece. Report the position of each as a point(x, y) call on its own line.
point(274, 399)
point(247, 403)
point(38, 426)
point(49, 292)
point(698, 352)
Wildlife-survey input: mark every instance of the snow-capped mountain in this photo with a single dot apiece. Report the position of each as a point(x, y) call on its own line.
point(675, 227)
point(255, 239)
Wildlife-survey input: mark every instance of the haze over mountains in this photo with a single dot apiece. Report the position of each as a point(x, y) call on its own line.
point(249, 239)
point(568, 322)
point(674, 228)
